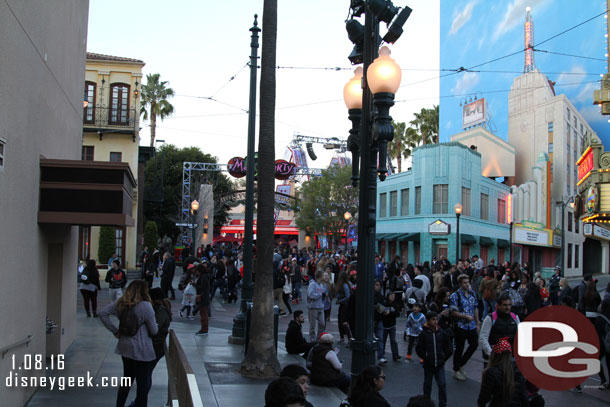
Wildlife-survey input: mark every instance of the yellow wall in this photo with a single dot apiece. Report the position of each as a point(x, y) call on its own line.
point(113, 72)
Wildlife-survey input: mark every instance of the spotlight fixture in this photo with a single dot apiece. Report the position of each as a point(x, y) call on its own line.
point(384, 10)
point(310, 151)
point(395, 30)
point(357, 7)
point(355, 33)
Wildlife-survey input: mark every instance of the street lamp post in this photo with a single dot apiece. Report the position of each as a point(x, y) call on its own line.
point(238, 334)
point(347, 216)
point(194, 209)
point(568, 201)
point(458, 212)
point(369, 104)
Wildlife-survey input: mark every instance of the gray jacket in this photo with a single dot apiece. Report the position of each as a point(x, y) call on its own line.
point(140, 346)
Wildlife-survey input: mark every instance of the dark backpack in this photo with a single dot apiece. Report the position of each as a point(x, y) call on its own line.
point(128, 322)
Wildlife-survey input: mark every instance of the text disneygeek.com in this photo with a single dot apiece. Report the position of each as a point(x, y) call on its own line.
point(63, 382)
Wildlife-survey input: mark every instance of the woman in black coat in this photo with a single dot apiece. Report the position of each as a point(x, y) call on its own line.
point(365, 391)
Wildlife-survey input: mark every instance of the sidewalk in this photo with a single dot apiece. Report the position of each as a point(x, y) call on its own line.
point(215, 363)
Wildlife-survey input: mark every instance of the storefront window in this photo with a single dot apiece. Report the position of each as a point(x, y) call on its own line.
point(441, 199)
point(466, 201)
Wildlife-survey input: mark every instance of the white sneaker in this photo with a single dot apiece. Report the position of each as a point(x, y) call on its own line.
point(458, 375)
point(382, 361)
point(463, 372)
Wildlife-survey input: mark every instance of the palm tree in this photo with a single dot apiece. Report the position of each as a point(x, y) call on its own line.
point(426, 124)
point(154, 102)
point(412, 140)
point(261, 357)
point(397, 145)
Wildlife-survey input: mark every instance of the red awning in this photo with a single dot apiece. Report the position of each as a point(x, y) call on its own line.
point(279, 229)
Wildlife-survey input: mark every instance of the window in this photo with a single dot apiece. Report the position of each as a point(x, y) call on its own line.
point(575, 123)
point(404, 202)
point(576, 255)
point(417, 200)
point(393, 203)
point(570, 221)
point(569, 255)
point(582, 131)
point(576, 225)
point(87, 153)
point(501, 211)
point(550, 127)
point(440, 199)
point(2, 144)
point(568, 110)
point(466, 201)
point(116, 157)
point(568, 177)
point(89, 111)
point(119, 241)
point(119, 104)
point(550, 148)
point(382, 204)
point(484, 206)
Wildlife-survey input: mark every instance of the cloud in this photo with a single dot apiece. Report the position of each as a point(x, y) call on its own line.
point(514, 15)
point(573, 76)
point(462, 18)
point(586, 93)
point(468, 81)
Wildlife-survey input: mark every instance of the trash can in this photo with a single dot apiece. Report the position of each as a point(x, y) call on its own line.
point(276, 316)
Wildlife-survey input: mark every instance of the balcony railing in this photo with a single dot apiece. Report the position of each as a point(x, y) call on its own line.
point(109, 118)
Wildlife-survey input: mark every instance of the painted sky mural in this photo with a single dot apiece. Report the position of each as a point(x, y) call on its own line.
point(482, 51)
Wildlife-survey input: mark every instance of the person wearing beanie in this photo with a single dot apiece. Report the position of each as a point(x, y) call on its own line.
point(326, 369)
point(434, 347)
point(502, 383)
point(295, 341)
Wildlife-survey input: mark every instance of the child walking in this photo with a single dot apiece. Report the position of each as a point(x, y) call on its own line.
point(188, 299)
point(434, 348)
point(415, 323)
point(392, 311)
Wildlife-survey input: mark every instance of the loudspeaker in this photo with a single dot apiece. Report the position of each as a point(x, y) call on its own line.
point(310, 151)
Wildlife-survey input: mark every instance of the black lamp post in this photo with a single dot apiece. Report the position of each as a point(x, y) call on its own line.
point(379, 81)
point(458, 212)
point(568, 201)
point(238, 334)
point(194, 209)
point(347, 216)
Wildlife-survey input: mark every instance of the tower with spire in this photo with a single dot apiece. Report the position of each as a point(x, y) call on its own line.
point(528, 29)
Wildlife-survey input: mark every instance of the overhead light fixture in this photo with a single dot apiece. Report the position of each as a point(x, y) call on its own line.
point(357, 7)
point(384, 10)
point(395, 30)
point(310, 151)
point(355, 33)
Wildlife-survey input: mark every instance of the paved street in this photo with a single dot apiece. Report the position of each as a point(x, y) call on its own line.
point(215, 363)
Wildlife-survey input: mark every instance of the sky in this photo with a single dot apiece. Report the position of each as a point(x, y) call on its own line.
point(473, 32)
point(198, 48)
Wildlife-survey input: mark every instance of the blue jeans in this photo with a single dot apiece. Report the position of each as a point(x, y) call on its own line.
point(489, 306)
point(379, 335)
point(296, 290)
point(439, 374)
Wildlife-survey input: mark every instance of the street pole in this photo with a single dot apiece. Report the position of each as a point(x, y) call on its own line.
point(238, 334)
point(510, 245)
point(193, 230)
point(363, 347)
point(457, 239)
point(563, 234)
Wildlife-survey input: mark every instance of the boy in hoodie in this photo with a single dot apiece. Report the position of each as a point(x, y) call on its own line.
point(434, 348)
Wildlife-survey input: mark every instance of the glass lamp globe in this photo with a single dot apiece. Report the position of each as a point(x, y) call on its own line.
point(352, 91)
point(384, 73)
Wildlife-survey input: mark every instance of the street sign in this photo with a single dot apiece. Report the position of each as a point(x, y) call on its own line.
point(187, 225)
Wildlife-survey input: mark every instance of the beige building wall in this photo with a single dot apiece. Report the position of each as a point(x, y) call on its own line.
point(497, 156)
point(541, 122)
point(42, 48)
point(104, 73)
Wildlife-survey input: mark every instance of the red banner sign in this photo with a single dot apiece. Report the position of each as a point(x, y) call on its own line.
point(585, 164)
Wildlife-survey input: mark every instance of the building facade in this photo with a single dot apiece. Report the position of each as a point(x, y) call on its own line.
point(415, 209)
point(542, 122)
point(41, 73)
point(111, 133)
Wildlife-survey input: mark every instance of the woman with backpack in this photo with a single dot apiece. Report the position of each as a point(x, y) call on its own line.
point(89, 286)
point(137, 326)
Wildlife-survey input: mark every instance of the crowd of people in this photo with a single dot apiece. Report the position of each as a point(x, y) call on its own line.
point(451, 311)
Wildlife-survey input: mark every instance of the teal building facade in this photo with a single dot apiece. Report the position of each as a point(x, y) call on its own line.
point(416, 219)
